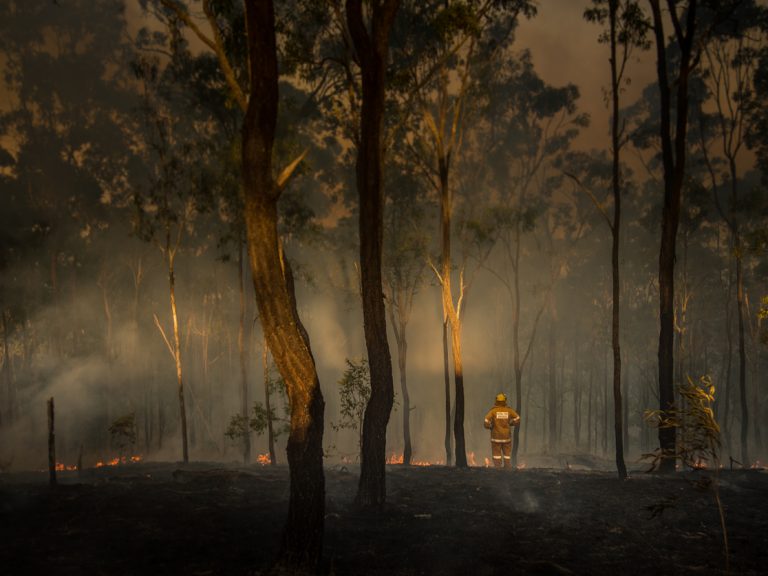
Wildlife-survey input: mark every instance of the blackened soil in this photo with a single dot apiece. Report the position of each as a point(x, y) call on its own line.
point(209, 519)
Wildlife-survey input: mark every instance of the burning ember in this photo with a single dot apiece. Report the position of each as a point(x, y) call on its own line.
point(118, 461)
point(263, 459)
point(61, 467)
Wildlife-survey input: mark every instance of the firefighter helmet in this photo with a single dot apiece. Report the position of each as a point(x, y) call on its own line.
point(501, 397)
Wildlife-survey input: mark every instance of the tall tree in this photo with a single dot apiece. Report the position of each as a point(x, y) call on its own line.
point(673, 145)
point(371, 50)
point(273, 281)
point(626, 27)
point(731, 60)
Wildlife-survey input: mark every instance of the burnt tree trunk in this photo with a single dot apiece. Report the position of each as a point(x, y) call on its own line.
point(621, 466)
point(447, 386)
point(371, 49)
point(51, 444)
point(302, 541)
point(673, 156)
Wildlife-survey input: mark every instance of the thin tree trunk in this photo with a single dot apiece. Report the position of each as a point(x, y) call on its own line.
point(742, 354)
point(268, 405)
point(552, 392)
point(170, 255)
point(615, 233)
point(51, 444)
point(242, 349)
point(8, 371)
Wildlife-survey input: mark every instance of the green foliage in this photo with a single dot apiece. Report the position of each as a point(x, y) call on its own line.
point(698, 445)
point(354, 392)
point(260, 418)
point(237, 428)
point(699, 433)
point(122, 432)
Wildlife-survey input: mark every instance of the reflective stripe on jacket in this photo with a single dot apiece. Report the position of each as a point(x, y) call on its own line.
point(500, 420)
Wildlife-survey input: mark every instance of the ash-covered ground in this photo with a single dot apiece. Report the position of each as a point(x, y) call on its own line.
point(214, 519)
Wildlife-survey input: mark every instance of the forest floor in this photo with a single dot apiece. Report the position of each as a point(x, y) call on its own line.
point(213, 519)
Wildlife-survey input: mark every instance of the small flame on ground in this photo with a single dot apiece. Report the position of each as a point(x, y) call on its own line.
point(61, 467)
point(263, 459)
point(118, 461)
point(398, 459)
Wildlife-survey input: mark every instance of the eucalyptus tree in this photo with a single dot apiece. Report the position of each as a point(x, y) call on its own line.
point(446, 44)
point(730, 61)
point(694, 23)
point(371, 44)
point(256, 92)
point(626, 29)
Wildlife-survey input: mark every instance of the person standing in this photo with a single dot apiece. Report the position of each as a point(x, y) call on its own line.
point(500, 420)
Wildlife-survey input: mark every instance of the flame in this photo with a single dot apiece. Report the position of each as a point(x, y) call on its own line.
point(395, 459)
point(521, 466)
point(61, 467)
point(263, 459)
point(471, 459)
point(398, 459)
point(119, 460)
point(756, 465)
point(487, 462)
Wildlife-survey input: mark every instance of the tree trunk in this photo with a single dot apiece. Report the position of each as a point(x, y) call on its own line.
point(170, 255)
point(399, 323)
point(372, 50)
point(302, 542)
point(402, 355)
point(268, 405)
point(552, 447)
point(51, 444)
point(447, 386)
point(673, 157)
point(742, 353)
point(8, 378)
point(242, 349)
point(615, 233)
point(458, 414)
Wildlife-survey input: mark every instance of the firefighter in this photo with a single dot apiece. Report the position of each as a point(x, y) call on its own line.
point(500, 420)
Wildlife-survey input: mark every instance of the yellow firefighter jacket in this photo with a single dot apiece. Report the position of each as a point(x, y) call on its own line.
point(500, 420)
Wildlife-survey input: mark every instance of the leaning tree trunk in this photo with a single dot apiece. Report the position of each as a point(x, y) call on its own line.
point(302, 542)
point(372, 49)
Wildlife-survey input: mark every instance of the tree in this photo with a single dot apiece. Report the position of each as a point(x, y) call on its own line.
point(405, 259)
point(372, 55)
point(273, 281)
point(673, 144)
point(354, 395)
point(461, 37)
point(254, 88)
point(731, 59)
point(626, 27)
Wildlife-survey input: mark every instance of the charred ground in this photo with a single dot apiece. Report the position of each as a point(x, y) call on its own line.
point(209, 519)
